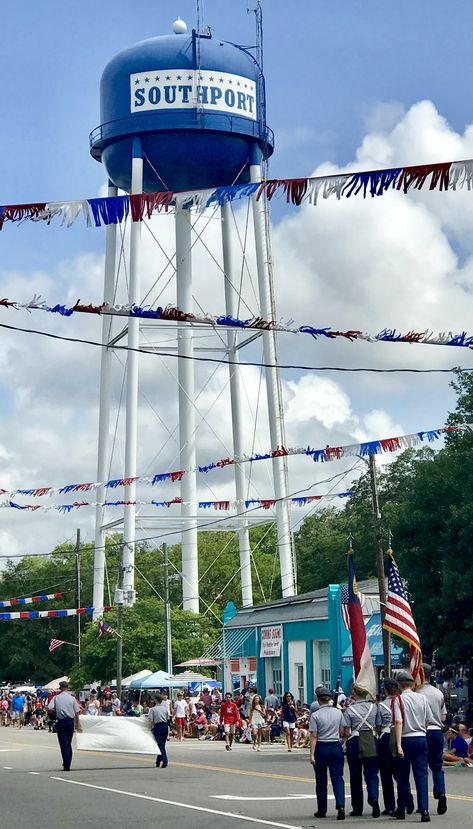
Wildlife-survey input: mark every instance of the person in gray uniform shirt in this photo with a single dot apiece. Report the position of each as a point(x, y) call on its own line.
point(387, 761)
point(362, 719)
point(436, 701)
point(158, 717)
point(326, 727)
point(315, 705)
point(67, 711)
point(412, 714)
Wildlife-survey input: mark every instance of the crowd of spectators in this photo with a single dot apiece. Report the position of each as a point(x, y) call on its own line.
point(255, 721)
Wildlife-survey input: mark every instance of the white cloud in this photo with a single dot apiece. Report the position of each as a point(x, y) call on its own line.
point(403, 261)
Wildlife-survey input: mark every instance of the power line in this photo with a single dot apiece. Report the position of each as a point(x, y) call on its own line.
point(89, 548)
point(228, 362)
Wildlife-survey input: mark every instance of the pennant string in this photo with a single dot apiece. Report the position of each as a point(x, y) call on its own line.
point(330, 453)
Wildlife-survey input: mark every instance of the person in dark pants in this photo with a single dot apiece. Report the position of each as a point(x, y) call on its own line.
point(363, 718)
point(387, 761)
point(436, 701)
point(158, 717)
point(326, 727)
point(67, 711)
point(412, 714)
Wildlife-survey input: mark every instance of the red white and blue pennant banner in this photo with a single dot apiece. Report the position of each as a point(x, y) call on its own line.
point(30, 600)
point(444, 176)
point(221, 506)
point(53, 614)
point(330, 453)
point(173, 314)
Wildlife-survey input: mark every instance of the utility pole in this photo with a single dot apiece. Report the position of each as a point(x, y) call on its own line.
point(78, 591)
point(120, 612)
point(167, 613)
point(380, 564)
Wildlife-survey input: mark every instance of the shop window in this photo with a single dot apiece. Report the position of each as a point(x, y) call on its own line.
point(277, 682)
point(322, 663)
point(300, 682)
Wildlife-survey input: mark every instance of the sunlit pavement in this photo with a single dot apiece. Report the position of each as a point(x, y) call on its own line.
point(204, 786)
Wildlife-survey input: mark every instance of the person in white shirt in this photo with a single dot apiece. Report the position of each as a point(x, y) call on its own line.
point(180, 714)
point(412, 715)
point(435, 738)
point(93, 706)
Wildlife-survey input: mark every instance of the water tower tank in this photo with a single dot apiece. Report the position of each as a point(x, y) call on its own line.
point(198, 105)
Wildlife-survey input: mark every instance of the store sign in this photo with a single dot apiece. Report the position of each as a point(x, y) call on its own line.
point(271, 640)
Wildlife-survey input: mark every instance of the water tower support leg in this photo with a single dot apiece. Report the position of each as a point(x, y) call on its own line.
point(273, 394)
point(185, 349)
point(104, 408)
point(231, 279)
point(132, 369)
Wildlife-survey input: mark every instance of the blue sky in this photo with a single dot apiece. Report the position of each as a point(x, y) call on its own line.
point(356, 83)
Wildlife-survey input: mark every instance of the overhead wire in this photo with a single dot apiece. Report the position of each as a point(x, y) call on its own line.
point(288, 366)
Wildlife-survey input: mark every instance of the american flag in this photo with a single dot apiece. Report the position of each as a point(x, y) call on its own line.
point(399, 620)
point(344, 607)
point(105, 628)
point(56, 643)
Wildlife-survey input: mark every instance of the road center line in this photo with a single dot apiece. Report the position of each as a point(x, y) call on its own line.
point(180, 805)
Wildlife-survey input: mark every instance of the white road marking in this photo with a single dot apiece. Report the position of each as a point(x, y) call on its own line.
point(181, 805)
point(10, 749)
point(9, 768)
point(33, 772)
point(286, 797)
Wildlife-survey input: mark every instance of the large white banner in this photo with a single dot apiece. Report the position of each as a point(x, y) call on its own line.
point(271, 640)
point(127, 734)
point(166, 89)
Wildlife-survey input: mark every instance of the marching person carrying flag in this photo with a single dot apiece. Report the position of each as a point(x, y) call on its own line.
point(412, 715)
point(436, 701)
point(362, 718)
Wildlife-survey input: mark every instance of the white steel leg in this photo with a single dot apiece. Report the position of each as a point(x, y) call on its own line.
point(104, 408)
point(236, 404)
point(185, 349)
point(273, 395)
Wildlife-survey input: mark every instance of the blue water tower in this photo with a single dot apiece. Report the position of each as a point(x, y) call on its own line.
point(197, 104)
point(187, 112)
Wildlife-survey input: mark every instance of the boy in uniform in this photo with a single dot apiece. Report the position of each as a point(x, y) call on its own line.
point(327, 726)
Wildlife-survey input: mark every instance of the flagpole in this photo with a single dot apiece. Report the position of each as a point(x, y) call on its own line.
point(380, 564)
point(78, 604)
point(120, 611)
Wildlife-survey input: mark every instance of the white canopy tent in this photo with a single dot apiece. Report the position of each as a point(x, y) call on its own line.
point(54, 684)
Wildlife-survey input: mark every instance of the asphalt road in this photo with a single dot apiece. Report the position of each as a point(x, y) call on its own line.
point(204, 787)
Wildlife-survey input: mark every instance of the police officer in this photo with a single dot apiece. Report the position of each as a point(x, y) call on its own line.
point(436, 701)
point(412, 714)
point(67, 711)
point(326, 727)
point(387, 761)
point(363, 717)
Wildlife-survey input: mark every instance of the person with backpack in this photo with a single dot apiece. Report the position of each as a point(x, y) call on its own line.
point(362, 719)
point(387, 746)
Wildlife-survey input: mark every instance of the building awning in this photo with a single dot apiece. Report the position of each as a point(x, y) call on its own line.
point(228, 644)
point(374, 635)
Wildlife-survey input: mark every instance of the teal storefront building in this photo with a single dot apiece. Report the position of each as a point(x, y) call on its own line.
point(294, 643)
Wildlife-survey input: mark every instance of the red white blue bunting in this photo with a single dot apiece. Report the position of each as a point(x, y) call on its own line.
point(30, 600)
point(330, 453)
point(53, 614)
point(221, 506)
point(173, 314)
point(444, 176)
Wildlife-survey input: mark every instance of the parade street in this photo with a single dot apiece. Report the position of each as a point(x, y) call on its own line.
point(203, 787)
